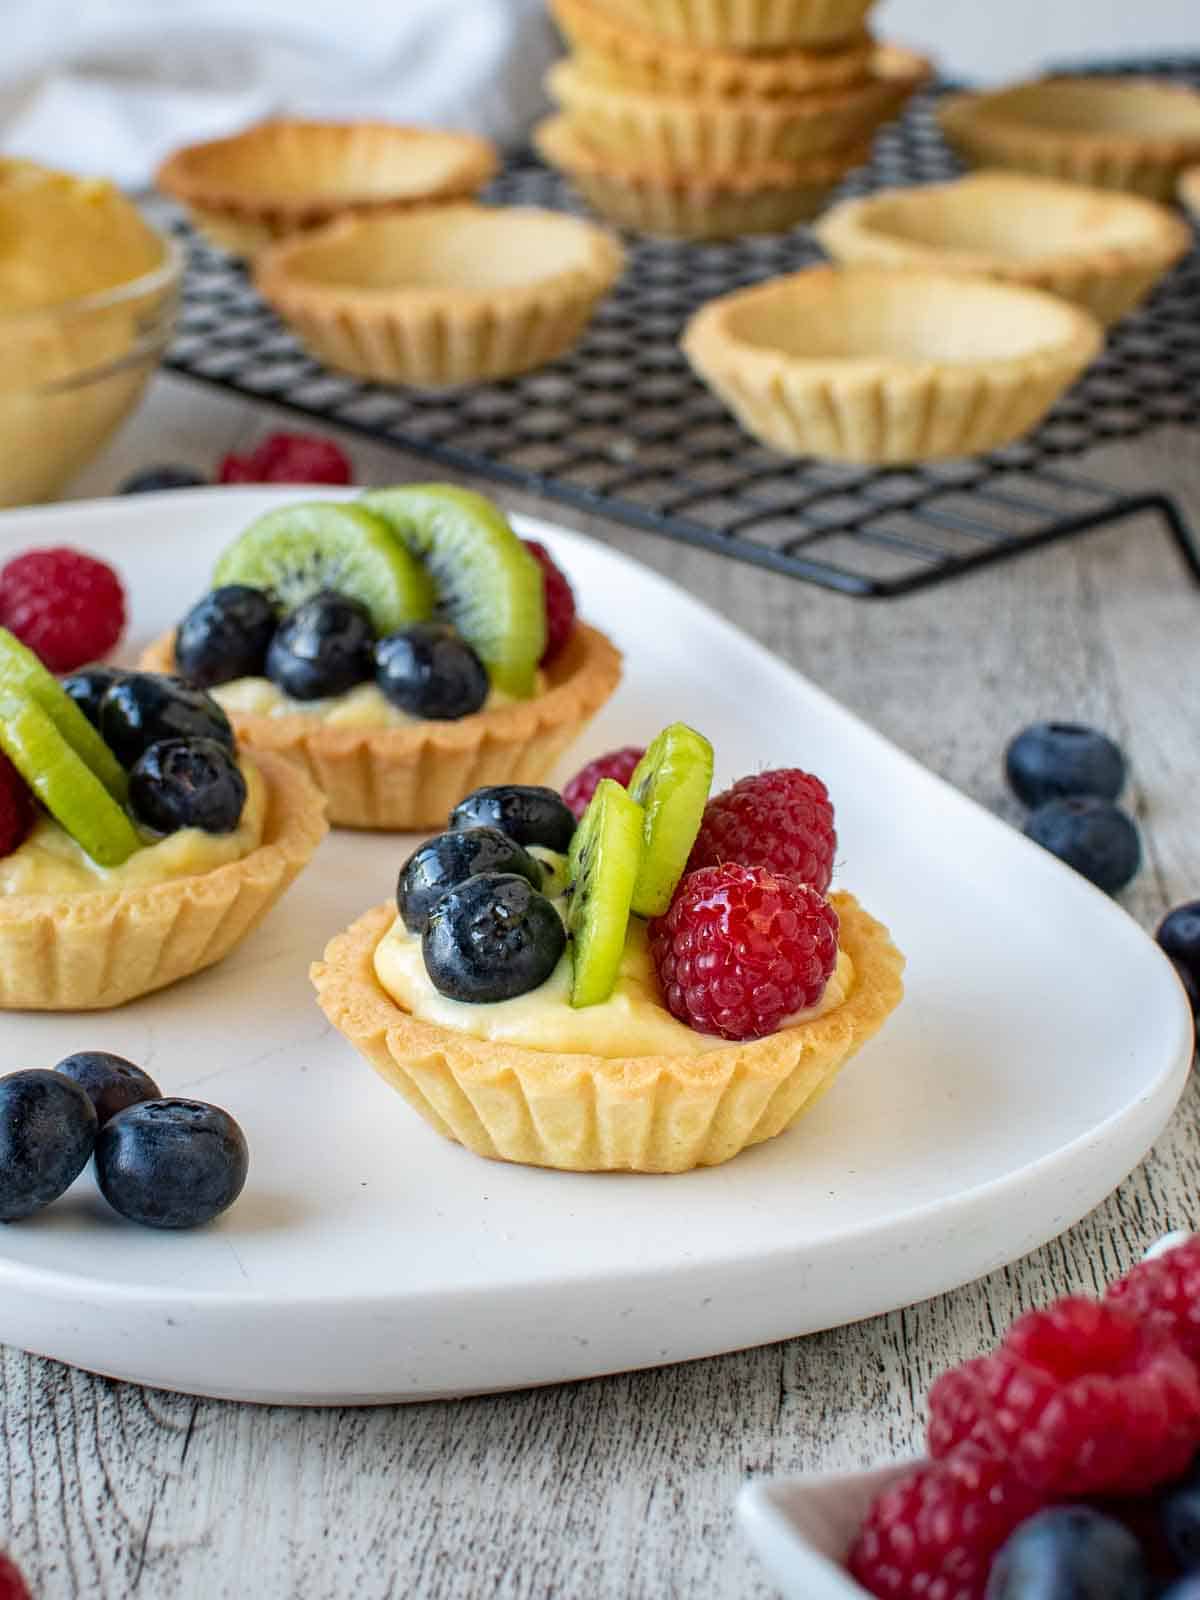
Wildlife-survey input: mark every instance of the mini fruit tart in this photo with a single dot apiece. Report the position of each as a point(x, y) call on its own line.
point(139, 845)
point(402, 649)
point(652, 989)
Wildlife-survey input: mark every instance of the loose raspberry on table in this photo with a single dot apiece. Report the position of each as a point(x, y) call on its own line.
point(12, 1585)
point(617, 764)
point(560, 601)
point(1081, 1398)
point(781, 819)
point(932, 1534)
point(741, 948)
point(289, 458)
point(68, 607)
point(1168, 1289)
point(16, 808)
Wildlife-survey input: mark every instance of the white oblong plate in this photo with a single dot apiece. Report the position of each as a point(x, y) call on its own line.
point(1041, 1048)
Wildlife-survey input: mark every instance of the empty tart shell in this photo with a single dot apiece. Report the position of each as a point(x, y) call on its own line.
point(678, 205)
point(610, 47)
point(89, 952)
point(682, 133)
point(443, 296)
point(585, 1113)
point(411, 777)
point(749, 24)
point(1112, 133)
point(1104, 251)
point(887, 365)
point(283, 176)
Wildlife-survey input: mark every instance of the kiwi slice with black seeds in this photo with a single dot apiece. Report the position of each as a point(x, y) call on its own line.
point(671, 784)
point(603, 866)
point(23, 678)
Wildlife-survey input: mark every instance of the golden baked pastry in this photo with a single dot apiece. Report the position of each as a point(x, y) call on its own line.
point(888, 365)
point(410, 777)
point(1104, 251)
point(1113, 133)
point(91, 951)
point(749, 24)
point(608, 46)
point(656, 200)
point(285, 175)
point(589, 1113)
point(693, 135)
point(1189, 190)
point(442, 296)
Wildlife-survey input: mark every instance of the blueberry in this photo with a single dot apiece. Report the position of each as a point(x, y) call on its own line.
point(89, 685)
point(110, 1082)
point(1186, 1589)
point(47, 1131)
point(171, 1163)
point(1179, 935)
point(525, 812)
point(1095, 837)
point(167, 477)
point(323, 648)
point(225, 636)
point(1055, 760)
point(491, 938)
point(429, 671)
point(145, 707)
point(451, 858)
point(1179, 1518)
point(1069, 1553)
point(187, 783)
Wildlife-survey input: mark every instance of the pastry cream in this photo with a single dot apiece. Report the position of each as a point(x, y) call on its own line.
point(631, 1022)
point(363, 707)
point(50, 861)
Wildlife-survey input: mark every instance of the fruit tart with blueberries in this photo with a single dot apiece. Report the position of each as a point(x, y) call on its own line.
point(646, 979)
point(403, 649)
point(138, 844)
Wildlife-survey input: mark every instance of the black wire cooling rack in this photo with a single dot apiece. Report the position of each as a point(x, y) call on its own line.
point(620, 426)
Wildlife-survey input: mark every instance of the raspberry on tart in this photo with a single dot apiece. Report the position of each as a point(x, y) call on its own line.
point(560, 601)
point(618, 765)
point(16, 808)
point(782, 819)
point(68, 607)
point(1167, 1289)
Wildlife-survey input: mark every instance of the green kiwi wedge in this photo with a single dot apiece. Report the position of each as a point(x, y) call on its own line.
point(70, 791)
point(487, 584)
point(298, 551)
point(603, 864)
point(24, 678)
point(671, 784)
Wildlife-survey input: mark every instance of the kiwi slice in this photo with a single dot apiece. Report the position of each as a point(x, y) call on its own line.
point(66, 786)
point(603, 864)
point(298, 551)
point(487, 583)
point(671, 784)
point(24, 678)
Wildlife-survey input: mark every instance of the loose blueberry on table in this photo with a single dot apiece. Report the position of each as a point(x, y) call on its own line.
point(1056, 760)
point(152, 480)
point(1179, 936)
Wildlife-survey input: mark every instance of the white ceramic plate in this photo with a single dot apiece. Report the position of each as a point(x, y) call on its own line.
point(1042, 1046)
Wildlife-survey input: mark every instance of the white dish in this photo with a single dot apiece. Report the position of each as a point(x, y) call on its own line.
point(1042, 1047)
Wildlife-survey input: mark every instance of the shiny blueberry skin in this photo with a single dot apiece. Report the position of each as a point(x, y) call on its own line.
point(429, 671)
point(146, 707)
point(47, 1131)
point(322, 648)
point(226, 636)
point(1055, 760)
point(1179, 935)
point(1179, 1518)
point(1069, 1553)
point(153, 479)
point(528, 813)
point(451, 858)
point(89, 685)
point(110, 1082)
point(491, 938)
point(1095, 837)
point(1186, 1589)
point(171, 1163)
point(187, 783)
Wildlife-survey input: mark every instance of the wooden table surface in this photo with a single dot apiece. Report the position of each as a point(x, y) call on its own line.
point(624, 1487)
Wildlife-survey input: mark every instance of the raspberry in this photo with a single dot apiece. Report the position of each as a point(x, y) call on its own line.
point(741, 948)
point(1080, 1398)
point(12, 1585)
point(16, 808)
point(67, 607)
point(1167, 1288)
point(933, 1533)
point(560, 601)
point(617, 764)
point(289, 458)
point(781, 819)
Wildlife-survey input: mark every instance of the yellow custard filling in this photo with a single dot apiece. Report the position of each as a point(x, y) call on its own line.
point(631, 1022)
point(363, 707)
point(50, 862)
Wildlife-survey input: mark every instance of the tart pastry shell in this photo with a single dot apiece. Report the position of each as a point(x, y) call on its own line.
point(1189, 191)
point(584, 1113)
point(411, 777)
point(90, 952)
point(749, 24)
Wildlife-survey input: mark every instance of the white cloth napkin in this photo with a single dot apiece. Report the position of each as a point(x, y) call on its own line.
point(112, 86)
